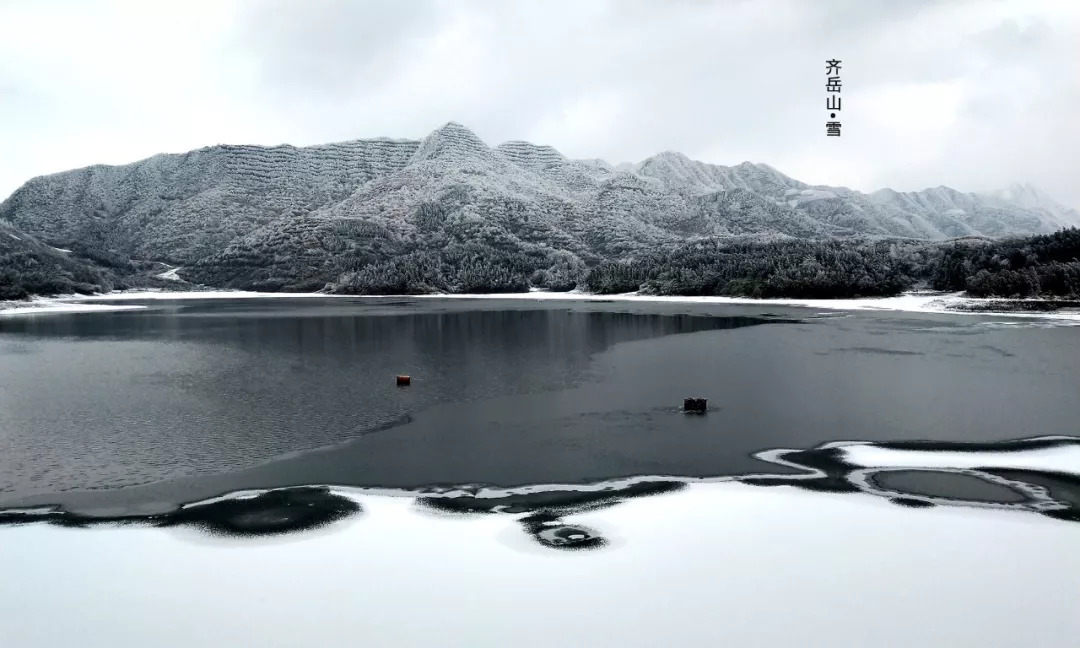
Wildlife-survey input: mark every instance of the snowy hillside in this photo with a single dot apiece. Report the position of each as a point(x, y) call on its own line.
point(1025, 195)
point(297, 218)
point(29, 267)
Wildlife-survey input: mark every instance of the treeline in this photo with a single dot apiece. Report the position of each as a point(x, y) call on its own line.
point(29, 267)
point(22, 277)
point(813, 269)
point(471, 267)
point(768, 269)
point(1045, 265)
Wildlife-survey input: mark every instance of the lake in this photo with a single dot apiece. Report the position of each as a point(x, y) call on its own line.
point(247, 472)
point(189, 399)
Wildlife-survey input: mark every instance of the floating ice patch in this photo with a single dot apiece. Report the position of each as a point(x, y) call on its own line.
point(1048, 456)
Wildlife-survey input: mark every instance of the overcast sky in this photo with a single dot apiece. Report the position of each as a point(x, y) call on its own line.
point(971, 94)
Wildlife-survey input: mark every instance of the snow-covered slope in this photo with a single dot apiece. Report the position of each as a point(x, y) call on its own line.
point(183, 207)
point(1025, 195)
point(321, 210)
point(28, 266)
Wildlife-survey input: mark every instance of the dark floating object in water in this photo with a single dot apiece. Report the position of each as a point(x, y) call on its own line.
point(404, 381)
point(695, 405)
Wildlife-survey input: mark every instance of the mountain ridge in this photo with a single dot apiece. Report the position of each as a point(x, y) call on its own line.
point(287, 217)
point(1021, 193)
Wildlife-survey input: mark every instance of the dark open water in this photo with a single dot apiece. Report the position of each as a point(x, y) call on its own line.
point(139, 411)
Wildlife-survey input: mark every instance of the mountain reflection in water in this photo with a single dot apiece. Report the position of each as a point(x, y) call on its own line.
point(1037, 475)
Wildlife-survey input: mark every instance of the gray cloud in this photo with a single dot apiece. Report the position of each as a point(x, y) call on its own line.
point(974, 94)
point(331, 48)
point(1013, 40)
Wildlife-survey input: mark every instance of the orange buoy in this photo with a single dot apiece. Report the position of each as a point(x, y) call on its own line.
point(403, 381)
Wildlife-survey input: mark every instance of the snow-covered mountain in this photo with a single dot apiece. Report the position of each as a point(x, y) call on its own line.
point(289, 213)
point(1025, 195)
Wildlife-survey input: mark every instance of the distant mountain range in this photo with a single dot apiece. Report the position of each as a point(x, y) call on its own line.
point(285, 217)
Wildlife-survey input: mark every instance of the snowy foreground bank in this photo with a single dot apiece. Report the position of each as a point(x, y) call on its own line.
point(910, 302)
point(713, 563)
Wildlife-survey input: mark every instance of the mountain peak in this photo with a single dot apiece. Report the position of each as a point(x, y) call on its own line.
point(451, 141)
point(671, 159)
point(1027, 195)
point(453, 126)
point(1023, 192)
point(1025, 187)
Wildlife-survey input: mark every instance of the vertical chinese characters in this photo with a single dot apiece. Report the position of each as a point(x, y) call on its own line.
point(832, 102)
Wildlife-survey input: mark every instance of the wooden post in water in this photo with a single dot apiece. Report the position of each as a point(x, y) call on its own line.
point(695, 405)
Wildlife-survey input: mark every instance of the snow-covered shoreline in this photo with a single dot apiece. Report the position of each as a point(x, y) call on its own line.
point(744, 550)
point(659, 563)
point(914, 302)
point(85, 303)
point(36, 307)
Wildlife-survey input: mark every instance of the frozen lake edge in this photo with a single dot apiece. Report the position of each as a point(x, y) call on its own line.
point(914, 302)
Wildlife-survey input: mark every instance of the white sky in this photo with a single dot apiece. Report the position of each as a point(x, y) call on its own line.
point(971, 94)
